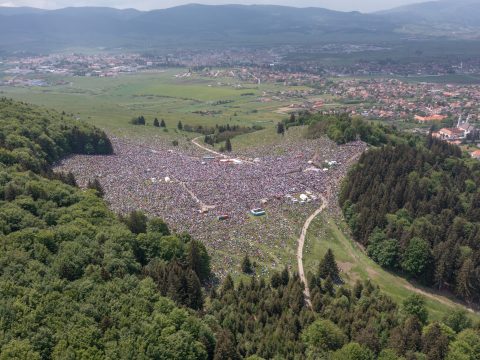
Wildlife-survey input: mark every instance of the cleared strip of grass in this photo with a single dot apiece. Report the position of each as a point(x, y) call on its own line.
point(356, 265)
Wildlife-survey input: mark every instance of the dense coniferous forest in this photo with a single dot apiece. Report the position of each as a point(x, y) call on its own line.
point(417, 210)
point(79, 282)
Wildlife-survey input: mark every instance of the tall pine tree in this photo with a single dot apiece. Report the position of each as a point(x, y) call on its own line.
point(328, 267)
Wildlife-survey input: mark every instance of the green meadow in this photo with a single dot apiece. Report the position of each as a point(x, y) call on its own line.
point(110, 103)
point(326, 232)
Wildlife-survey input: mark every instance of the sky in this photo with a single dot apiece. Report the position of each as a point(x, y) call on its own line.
point(344, 5)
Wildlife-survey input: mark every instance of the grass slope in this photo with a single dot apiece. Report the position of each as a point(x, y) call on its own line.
point(325, 232)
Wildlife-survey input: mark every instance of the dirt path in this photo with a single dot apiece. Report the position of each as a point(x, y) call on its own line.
point(203, 207)
point(203, 147)
point(301, 243)
point(301, 239)
point(195, 142)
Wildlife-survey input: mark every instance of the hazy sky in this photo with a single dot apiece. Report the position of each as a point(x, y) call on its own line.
point(361, 5)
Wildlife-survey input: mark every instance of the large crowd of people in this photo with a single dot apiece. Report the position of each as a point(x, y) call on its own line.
point(191, 191)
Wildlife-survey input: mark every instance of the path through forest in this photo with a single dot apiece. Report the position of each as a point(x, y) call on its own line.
point(301, 243)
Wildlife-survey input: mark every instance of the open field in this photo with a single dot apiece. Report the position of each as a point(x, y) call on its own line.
point(111, 102)
point(327, 232)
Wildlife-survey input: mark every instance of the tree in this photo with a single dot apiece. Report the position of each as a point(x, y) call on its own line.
point(285, 276)
point(70, 179)
point(466, 280)
point(97, 186)
point(227, 284)
point(156, 123)
point(466, 346)
point(195, 294)
point(328, 286)
point(417, 257)
point(226, 349)
point(353, 351)
point(228, 145)
point(383, 251)
point(140, 120)
point(137, 222)
point(328, 267)
point(198, 260)
point(162, 124)
point(157, 225)
point(281, 128)
point(388, 254)
point(18, 349)
point(414, 305)
point(407, 337)
point(435, 343)
point(458, 320)
point(180, 125)
point(247, 265)
point(321, 337)
point(388, 354)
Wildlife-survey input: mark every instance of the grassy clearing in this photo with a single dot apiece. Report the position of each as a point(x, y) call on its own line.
point(326, 233)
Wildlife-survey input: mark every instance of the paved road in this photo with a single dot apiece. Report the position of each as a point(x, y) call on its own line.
point(301, 243)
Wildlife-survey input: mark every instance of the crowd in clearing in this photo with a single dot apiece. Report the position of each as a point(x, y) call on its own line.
point(212, 199)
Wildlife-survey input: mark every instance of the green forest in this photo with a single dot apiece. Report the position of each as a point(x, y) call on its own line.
point(80, 282)
point(342, 128)
point(417, 210)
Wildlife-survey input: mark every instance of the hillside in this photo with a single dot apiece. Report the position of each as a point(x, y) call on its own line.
point(229, 25)
point(23, 28)
point(462, 12)
point(415, 209)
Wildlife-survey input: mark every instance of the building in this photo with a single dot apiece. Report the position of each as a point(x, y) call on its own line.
point(449, 134)
point(466, 128)
point(424, 119)
point(475, 154)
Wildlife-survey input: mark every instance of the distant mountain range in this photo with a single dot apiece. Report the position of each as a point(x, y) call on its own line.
point(452, 12)
point(223, 25)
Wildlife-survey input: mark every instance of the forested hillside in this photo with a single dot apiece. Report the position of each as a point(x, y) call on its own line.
point(79, 282)
point(33, 138)
point(417, 210)
point(71, 279)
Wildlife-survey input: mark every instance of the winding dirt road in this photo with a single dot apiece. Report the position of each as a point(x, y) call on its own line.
point(301, 243)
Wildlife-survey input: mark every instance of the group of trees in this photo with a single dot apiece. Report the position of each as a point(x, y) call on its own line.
point(31, 137)
point(270, 320)
point(417, 210)
point(342, 128)
point(140, 120)
point(160, 123)
point(218, 133)
point(77, 281)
